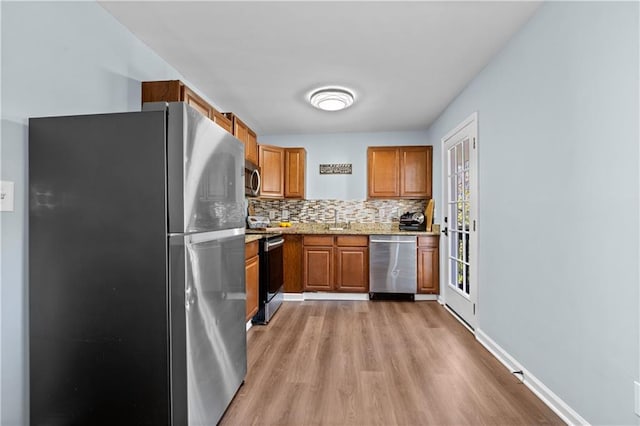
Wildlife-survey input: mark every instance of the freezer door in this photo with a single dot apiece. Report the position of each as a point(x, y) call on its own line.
point(205, 173)
point(208, 339)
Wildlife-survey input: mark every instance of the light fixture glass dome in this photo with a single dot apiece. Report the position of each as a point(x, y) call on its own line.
point(331, 98)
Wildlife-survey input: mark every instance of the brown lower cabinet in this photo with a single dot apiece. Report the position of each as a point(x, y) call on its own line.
point(292, 263)
point(252, 277)
point(429, 264)
point(336, 263)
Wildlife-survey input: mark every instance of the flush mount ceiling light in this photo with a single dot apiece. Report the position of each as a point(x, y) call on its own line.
point(331, 98)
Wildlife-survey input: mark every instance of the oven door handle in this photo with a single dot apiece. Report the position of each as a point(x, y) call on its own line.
point(270, 245)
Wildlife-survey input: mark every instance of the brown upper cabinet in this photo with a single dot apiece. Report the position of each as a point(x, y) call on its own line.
point(251, 147)
point(399, 171)
point(246, 136)
point(383, 165)
point(294, 169)
point(176, 91)
point(271, 171)
point(282, 171)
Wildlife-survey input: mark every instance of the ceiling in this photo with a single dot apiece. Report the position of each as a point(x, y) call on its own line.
point(405, 61)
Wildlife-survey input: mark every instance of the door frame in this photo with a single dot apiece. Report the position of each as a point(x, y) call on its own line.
point(474, 210)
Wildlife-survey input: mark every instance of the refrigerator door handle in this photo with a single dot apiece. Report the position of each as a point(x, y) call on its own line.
point(199, 237)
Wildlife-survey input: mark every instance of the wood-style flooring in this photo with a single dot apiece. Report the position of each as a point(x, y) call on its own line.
point(376, 363)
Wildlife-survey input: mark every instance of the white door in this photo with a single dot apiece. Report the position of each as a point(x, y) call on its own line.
point(460, 179)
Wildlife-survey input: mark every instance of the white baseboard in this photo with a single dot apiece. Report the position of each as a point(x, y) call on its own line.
point(334, 296)
point(420, 297)
point(249, 325)
point(553, 401)
point(293, 297)
point(312, 295)
point(453, 314)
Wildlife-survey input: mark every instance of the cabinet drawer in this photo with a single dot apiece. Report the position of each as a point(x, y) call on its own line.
point(428, 241)
point(352, 241)
point(251, 249)
point(317, 240)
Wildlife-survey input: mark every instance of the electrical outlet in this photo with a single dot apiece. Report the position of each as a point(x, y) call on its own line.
point(272, 214)
point(636, 386)
point(285, 215)
point(6, 196)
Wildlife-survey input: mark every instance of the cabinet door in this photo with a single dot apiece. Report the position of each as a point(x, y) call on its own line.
point(251, 147)
point(382, 172)
point(222, 121)
point(294, 172)
point(293, 261)
point(272, 171)
point(428, 265)
point(241, 131)
point(415, 172)
point(252, 276)
point(352, 269)
point(162, 91)
point(196, 102)
point(318, 268)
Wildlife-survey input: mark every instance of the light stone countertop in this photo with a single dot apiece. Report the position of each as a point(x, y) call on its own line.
point(252, 237)
point(324, 228)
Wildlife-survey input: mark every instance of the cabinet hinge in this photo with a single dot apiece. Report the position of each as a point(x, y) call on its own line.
point(474, 143)
point(474, 309)
point(474, 225)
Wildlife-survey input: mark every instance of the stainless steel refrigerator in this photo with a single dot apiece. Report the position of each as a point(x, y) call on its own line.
point(136, 268)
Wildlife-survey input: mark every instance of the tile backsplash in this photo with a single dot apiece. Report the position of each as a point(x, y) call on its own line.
point(324, 211)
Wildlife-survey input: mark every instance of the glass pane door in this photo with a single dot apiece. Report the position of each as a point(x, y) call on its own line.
point(460, 199)
point(459, 214)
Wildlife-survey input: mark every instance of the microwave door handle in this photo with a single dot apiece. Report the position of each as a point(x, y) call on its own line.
point(257, 175)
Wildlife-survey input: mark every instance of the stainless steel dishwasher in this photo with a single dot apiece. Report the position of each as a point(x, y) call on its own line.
point(392, 264)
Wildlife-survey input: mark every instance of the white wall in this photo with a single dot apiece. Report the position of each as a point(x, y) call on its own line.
point(558, 222)
point(346, 148)
point(57, 58)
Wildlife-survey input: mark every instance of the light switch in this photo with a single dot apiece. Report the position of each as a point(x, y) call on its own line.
point(6, 196)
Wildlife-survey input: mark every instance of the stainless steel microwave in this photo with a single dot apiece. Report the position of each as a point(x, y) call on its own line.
point(251, 179)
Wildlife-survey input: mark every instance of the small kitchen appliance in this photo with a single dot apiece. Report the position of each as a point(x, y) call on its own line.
point(257, 222)
point(251, 179)
point(412, 221)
